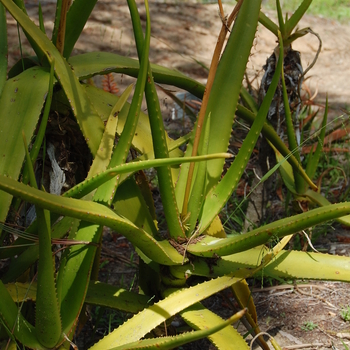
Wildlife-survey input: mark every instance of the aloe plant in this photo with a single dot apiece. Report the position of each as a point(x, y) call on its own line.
point(110, 195)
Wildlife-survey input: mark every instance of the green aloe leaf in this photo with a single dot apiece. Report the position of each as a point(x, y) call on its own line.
point(309, 265)
point(208, 246)
point(105, 150)
point(199, 317)
point(15, 322)
point(292, 141)
point(33, 43)
point(104, 101)
point(198, 189)
point(41, 19)
point(281, 23)
point(114, 297)
point(297, 16)
point(90, 184)
point(286, 171)
point(89, 121)
point(226, 88)
point(42, 129)
point(21, 292)
point(74, 277)
point(95, 63)
point(3, 48)
point(220, 194)
point(166, 185)
point(56, 21)
point(105, 193)
point(47, 317)
point(156, 314)
point(77, 16)
point(130, 203)
point(268, 24)
point(168, 343)
point(314, 157)
point(98, 293)
point(28, 255)
point(21, 102)
point(286, 264)
point(320, 200)
point(160, 251)
point(272, 136)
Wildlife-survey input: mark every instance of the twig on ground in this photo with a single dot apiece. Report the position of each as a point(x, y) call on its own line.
point(314, 296)
point(303, 346)
point(288, 286)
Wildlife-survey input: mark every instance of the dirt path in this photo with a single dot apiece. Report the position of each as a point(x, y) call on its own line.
point(183, 33)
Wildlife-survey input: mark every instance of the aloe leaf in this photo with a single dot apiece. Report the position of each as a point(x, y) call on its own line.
point(156, 314)
point(309, 265)
point(42, 129)
point(282, 28)
point(90, 184)
point(299, 33)
point(160, 251)
point(3, 48)
point(319, 199)
point(105, 193)
point(105, 150)
point(103, 102)
point(88, 120)
point(93, 63)
point(199, 317)
point(227, 83)
point(47, 317)
point(77, 16)
point(286, 171)
point(41, 19)
point(20, 265)
point(21, 292)
point(130, 203)
point(286, 264)
point(61, 33)
point(142, 141)
point(181, 182)
point(56, 22)
point(219, 195)
point(34, 45)
point(268, 24)
point(314, 157)
point(208, 246)
point(168, 343)
point(165, 180)
point(15, 322)
point(30, 255)
point(299, 183)
point(21, 102)
point(104, 294)
point(244, 298)
point(98, 293)
point(248, 101)
point(76, 275)
point(272, 136)
point(198, 189)
point(297, 16)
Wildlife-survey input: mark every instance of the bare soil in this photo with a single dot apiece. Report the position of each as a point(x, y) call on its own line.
point(304, 317)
